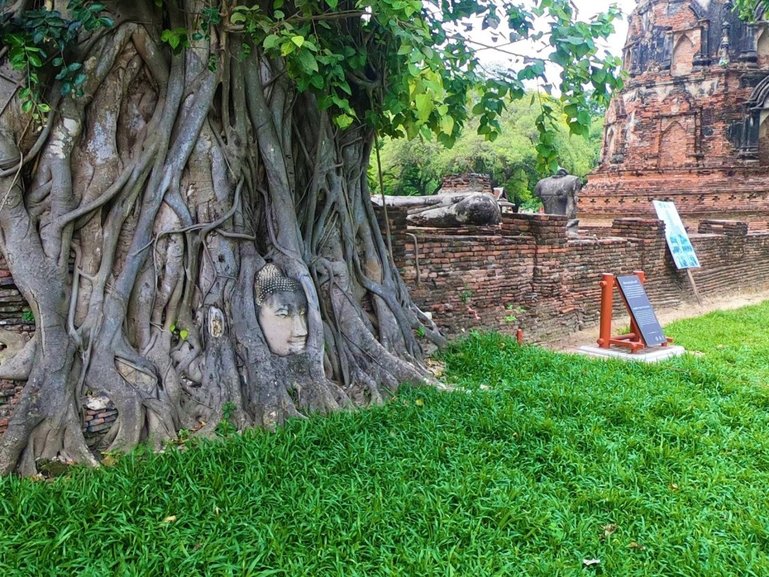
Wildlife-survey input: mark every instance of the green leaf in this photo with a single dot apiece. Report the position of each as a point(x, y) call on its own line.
point(424, 106)
point(298, 40)
point(317, 81)
point(175, 38)
point(271, 41)
point(447, 124)
point(343, 120)
point(287, 48)
point(35, 60)
point(309, 64)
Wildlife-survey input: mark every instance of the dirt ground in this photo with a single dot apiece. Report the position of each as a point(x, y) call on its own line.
point(589, 335)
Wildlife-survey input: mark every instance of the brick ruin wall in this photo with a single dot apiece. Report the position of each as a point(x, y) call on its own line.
point(685, 127)
point(525, 272)
point(15, 318)
point(466, 182)
point(677, 148)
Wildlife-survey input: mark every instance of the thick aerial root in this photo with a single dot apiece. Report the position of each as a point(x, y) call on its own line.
point(18, 366)
point(46, 424)
point(56, 442)
point(143, 409)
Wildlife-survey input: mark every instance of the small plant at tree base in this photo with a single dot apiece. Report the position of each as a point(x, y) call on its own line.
point(179, 332)
point(225, 428)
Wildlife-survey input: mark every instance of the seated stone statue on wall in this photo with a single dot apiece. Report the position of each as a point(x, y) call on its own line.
point(282, 311)
point(558, 194)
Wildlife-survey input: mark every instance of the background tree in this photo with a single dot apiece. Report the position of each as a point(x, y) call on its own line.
point(418, 166)
point(751, 10)
point(156, 155)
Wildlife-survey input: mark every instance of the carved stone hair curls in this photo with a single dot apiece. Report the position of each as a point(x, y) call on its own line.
point(271, 280)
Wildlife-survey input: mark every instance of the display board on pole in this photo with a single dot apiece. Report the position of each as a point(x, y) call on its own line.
point(675, 234)
point(678, 241)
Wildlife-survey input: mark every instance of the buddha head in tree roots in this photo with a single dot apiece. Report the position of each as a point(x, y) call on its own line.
point(282, 311)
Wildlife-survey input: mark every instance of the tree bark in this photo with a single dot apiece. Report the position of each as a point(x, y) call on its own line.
point(136, 227)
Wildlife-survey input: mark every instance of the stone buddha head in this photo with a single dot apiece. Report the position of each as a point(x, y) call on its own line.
point(282, 311)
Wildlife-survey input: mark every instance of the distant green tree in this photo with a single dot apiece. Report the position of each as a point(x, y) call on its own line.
point(751, 9)
point(417, 166)
point(408, 167)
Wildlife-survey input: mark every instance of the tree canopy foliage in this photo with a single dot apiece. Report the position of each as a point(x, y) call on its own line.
point(751, 9)
point(413, 63)
point(167, 167)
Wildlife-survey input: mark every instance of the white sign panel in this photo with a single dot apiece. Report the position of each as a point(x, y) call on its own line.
point(678, 241)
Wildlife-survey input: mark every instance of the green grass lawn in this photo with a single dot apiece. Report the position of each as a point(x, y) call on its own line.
point(538, 462)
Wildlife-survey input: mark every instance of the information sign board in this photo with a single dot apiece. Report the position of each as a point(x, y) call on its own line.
point(675, 234)
point(641, 309)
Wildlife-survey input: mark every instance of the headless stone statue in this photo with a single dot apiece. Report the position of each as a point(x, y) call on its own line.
point(559, 196)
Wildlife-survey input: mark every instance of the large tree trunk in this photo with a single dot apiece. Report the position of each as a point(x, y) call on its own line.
point(136, 225)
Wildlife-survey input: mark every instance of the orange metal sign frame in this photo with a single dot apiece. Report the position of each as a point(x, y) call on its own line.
point(633, 340)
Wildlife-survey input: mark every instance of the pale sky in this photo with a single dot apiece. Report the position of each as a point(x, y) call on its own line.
point(586, 8)
point(589, 7)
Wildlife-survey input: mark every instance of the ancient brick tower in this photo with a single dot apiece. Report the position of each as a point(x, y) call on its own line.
point(691, 123)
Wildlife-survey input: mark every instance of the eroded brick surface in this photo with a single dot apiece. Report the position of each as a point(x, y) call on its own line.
point(690, 125)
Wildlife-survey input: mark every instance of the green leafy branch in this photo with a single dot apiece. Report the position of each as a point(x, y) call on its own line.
point(42, 38)
point(400, 66)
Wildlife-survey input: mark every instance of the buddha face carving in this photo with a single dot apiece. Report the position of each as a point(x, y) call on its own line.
point(282, 311)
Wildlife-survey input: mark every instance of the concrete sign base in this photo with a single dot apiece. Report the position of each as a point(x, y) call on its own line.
point(651, 355)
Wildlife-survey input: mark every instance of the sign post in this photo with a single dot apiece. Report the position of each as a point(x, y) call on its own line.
point(678, 241)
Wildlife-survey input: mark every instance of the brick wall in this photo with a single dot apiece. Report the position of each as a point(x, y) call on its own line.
point(467, 182)
point(10, 391)
point(527, 268)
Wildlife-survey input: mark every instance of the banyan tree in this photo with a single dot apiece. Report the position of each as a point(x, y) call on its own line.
point(185, 203)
